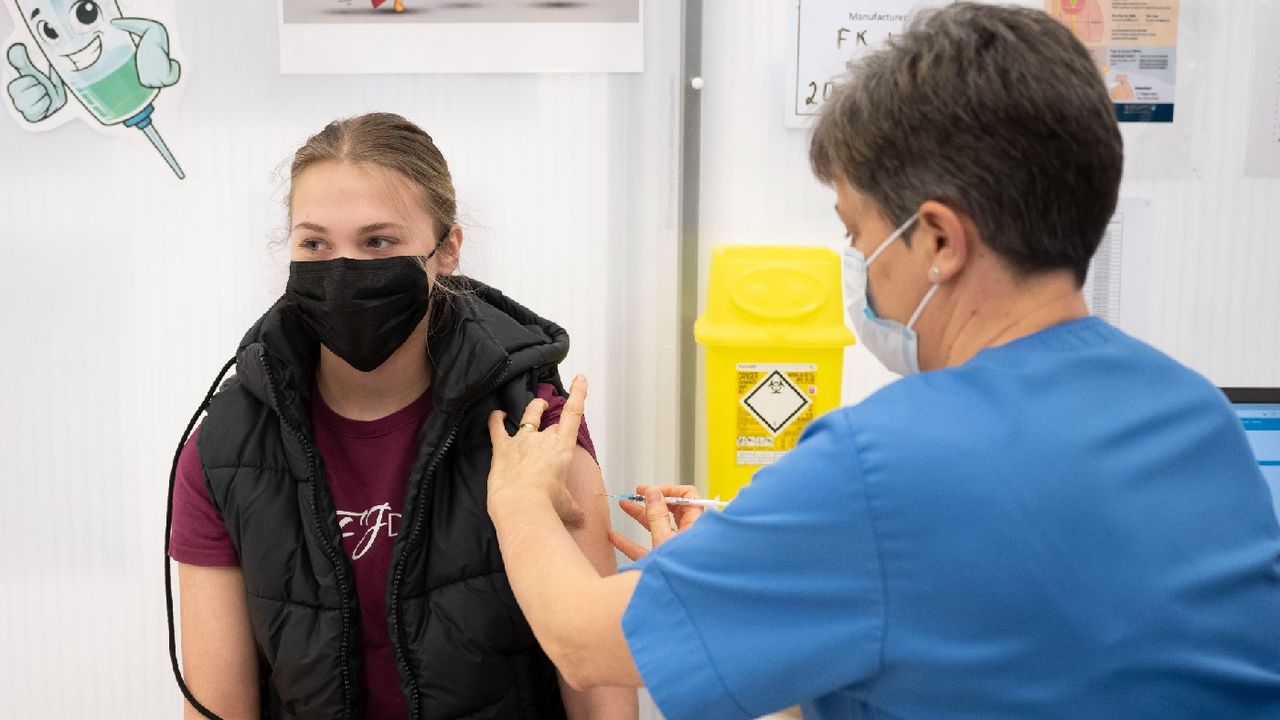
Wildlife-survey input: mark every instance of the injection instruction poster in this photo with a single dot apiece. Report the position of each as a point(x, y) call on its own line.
point(1134, 43)
point(775, 405)
point(826, 35)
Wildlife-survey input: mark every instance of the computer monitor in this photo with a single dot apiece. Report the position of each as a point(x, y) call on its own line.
point(1259, 410)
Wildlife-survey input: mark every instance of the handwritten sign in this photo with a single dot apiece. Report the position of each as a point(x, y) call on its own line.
point(826, 36)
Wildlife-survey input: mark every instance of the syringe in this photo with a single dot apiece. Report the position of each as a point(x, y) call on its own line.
point(719, 504)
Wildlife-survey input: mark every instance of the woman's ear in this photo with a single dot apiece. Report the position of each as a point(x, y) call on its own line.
point(947, 235)
point(451, 253)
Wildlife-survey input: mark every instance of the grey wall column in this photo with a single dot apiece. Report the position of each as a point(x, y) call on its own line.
point(690, 178)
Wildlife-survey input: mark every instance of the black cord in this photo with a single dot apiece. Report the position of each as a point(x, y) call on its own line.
point(168, 566)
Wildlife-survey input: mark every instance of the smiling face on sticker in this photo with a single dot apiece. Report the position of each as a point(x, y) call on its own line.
point(76, 36)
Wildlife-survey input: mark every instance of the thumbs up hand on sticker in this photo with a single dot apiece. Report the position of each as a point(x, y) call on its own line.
point(34, 94)
point(156, 69)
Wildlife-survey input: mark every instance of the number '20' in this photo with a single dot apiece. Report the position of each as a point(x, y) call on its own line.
point(827, 87)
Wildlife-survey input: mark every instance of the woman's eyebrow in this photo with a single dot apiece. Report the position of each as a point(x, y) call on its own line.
point(362, 230)
point(375, 227)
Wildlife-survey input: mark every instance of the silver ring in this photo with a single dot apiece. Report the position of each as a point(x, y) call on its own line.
point(529, 426)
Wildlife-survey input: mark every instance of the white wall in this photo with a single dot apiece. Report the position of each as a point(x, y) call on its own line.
point(1214, 297)
point(123, 290)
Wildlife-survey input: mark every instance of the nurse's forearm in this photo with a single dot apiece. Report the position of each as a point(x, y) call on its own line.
point(575, 614)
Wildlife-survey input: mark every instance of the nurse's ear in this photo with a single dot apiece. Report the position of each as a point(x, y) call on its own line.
point(946, 236)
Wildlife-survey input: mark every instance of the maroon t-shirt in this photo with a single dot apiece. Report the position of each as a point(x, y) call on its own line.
point(367, 464)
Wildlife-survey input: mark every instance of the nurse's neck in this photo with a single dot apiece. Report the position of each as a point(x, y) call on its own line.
point(989, 305)
point(391, 386)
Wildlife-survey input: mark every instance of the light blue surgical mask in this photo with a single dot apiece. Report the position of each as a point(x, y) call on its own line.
point(895, 345)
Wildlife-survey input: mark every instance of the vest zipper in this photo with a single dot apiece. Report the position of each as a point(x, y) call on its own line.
point(330, 552)
point(397, 639)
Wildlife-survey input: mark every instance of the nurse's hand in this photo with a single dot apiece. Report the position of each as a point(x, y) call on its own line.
point(535, 463)
point(661, 520)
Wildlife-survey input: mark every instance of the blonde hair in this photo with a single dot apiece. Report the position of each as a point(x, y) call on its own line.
point(389, 142)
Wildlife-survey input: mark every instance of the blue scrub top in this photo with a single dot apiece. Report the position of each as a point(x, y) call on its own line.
point(1071, 525)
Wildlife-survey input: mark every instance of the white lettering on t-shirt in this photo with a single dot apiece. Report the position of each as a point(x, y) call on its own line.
point(373, 520)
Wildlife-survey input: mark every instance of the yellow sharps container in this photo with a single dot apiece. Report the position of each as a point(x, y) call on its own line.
point(774, 334)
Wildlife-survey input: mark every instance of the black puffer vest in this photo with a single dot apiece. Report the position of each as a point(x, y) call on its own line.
point(461, 643)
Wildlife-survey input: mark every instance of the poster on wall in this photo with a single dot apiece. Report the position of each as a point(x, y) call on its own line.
point(826, 35)
point(499, 36)
point(1262, 154)
point(1134, 43)
point(86, 61)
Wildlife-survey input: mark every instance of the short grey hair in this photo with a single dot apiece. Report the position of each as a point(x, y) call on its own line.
point(999, 112)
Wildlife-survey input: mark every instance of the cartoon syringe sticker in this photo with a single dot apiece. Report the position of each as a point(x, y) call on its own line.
point(92, 54)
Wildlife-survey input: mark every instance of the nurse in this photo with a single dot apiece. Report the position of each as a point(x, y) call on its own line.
point(1044, 518)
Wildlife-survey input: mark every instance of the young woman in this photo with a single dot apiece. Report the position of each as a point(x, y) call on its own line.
point(335, 558)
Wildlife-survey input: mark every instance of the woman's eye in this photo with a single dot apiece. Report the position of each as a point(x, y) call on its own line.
point(311, 244)
point(380, 243)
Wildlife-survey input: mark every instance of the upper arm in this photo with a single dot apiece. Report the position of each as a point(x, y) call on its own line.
point(219, 658)
point(199, 535)
point(586, 485)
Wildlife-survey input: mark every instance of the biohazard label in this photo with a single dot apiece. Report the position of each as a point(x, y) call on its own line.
point(775, 406)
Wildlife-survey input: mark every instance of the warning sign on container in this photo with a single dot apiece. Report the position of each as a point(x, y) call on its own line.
point(776, 404)
point(776, 401)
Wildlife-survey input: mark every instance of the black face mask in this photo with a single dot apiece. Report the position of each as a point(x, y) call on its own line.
point(362, 310)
